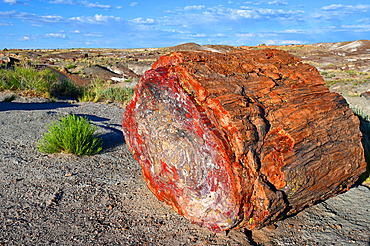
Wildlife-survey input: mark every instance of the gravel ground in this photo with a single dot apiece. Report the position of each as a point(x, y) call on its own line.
point(102, 199)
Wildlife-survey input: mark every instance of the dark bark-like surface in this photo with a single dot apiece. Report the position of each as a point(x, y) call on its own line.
point(243, 138)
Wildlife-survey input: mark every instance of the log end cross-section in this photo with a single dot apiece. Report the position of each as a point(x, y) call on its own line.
point(241, 139)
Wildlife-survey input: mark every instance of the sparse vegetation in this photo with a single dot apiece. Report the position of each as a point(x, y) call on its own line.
point(98, 90)
point(28, 79)
point(329, 76)
point(66, 88)
point(72, 135)
point(122, 94)
point(44, 83)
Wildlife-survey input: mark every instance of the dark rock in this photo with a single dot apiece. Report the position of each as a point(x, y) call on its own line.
point(241, 139)
point(123, 70)
point(99, 71)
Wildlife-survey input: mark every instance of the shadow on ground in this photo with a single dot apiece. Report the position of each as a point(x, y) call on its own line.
point(8, 106)
point(114, 137)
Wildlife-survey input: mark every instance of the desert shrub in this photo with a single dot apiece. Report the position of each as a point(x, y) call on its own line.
point(66, 88)
point(73, 135)
point(93, 91)
point(27, 79)
point(122, 94)
point(37, 82)
point(98, 90)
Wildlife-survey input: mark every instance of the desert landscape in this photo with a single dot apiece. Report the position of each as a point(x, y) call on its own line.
point(61, 199)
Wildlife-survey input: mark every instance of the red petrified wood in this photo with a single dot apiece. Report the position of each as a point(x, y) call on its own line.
point(241, 139)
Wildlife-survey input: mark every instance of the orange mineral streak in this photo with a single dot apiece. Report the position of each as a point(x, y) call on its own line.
point(277, 144)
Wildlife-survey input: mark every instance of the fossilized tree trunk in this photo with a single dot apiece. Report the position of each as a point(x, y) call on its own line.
point(241, 138)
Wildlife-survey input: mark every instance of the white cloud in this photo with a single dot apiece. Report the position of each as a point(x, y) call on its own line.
point(332, 7)
point(272, 2)
point(52, 18)
point(13, 2)
point(347, 8)
point(95, 5)
point(82, 3)
point(93, 35)
point(55, 35)
point(357, 28)
point(24, 38)
point(101, 17)
point(290, 31)
point(194, 7)
point(4, 24)
point(242, 13)
point(278, 2)
point(363, 21)
point(142, 21)
point(10, 1)
point(76, 31)
point(71, 2)
point(246, 35)
point(336, 12)
point(282, 42)
point(32, 18)
point(198, 35)
point(133, 4)
point(260, 13)
point(96, 19)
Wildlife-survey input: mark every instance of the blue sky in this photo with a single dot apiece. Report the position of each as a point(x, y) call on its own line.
point(159, 23)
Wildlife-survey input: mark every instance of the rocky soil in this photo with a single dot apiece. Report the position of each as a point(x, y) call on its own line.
point(67, 200)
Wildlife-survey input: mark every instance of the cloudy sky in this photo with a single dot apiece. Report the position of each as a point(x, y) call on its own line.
point(159, 23)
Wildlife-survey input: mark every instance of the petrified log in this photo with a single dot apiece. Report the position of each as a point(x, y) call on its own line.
point(241, 139)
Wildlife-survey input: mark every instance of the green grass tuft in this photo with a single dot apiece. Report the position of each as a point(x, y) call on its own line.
point(66, 88)
point(72, 135)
